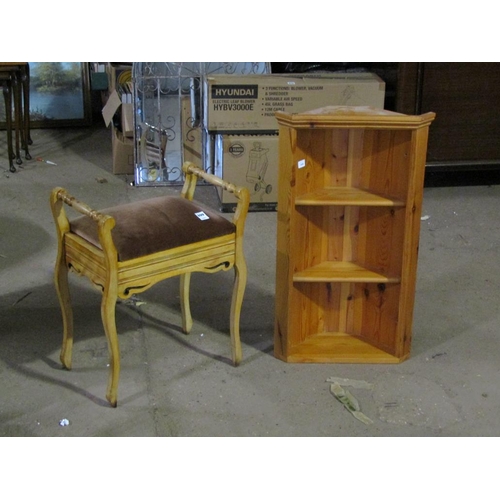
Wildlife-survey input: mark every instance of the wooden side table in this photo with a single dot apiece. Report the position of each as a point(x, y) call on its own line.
point(15, 78)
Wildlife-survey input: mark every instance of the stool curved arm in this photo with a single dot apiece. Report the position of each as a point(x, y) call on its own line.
point(96, 245)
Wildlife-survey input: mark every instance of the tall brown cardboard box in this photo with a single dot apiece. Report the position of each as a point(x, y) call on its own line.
point(114, 105)
point(123, 152)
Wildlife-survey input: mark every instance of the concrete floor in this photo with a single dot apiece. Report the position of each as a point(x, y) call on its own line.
point(177, 385)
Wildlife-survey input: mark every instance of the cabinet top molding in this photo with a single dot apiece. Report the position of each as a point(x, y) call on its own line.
point(353, 117)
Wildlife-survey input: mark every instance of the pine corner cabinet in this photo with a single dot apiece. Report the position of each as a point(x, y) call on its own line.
point(349, 206)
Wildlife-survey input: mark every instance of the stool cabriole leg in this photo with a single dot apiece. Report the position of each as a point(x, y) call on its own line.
point(187, 320)
point(61, 277)
point(108, 305)
point(240, 280)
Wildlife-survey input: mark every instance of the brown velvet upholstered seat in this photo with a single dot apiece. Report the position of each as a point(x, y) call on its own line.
point(153, 225)
point(126, 249)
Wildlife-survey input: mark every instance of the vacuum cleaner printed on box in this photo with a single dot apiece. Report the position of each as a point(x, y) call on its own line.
point(248, 103)
point(250, 161)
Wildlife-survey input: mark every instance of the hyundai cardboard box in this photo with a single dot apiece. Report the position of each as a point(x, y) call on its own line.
point(235, 104)
point(249, 161)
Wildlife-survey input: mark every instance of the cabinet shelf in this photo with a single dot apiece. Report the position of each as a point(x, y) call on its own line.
point(346, 196)
point(341, 272)
point(338, 347)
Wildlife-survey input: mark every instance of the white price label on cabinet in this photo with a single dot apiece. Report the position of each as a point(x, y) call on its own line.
point(301, 163)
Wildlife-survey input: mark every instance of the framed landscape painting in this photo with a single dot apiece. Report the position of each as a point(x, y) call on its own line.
point(59, 94)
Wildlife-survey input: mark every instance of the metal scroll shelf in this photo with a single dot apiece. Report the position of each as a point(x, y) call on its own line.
point(168, 107)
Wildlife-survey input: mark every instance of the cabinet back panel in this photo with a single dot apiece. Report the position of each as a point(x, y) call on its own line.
point(377, 305)
point(386, 162)
point(380, 234)
point(318, 309)
point(319, 236)
point(324, 153)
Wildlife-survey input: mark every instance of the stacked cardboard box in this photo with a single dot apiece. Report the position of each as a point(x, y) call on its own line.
point(118, 115)
point(239, 120)
point(248, 160)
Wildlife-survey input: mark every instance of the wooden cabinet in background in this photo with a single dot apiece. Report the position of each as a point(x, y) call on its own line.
point(466, 100)
point(349, 204)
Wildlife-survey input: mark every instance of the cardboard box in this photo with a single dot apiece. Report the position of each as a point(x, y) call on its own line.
point(115, 104)
point(127, 119)
point(123, 152)
point(250, 161)
point(247, 104)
